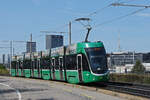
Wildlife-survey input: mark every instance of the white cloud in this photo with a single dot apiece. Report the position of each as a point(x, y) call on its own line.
point(144, 14)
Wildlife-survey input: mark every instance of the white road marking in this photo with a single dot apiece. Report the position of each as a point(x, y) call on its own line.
point(67, 90)
point(17, 91)
point(86, 95)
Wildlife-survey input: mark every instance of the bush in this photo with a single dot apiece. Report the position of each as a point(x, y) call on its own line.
point(131, 78)
point(3, 70)
point(138, 68)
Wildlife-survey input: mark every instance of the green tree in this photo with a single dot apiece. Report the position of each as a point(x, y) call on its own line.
point(3, 70)
point(138, 68)
point(1, 66)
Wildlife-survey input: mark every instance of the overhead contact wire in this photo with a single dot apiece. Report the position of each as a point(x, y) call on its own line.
point(120, 17)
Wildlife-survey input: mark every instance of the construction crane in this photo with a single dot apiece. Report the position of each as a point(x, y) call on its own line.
point(4, 47)
point(129, 5)
point(52, 32)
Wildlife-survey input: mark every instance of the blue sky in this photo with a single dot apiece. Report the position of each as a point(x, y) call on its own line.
point(19, 18)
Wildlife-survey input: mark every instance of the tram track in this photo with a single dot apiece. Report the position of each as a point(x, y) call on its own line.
point(129, 88)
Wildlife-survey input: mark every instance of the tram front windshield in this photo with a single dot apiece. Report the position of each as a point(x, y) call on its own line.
point(97, 59)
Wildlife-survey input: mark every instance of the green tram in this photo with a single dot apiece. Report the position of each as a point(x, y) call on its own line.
point(82, 62)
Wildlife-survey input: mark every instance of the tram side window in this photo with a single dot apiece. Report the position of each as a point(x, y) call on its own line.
point(34, 64)
point(85, 64)
point(20, 65)
point(13, 63)
point(61, 63)
point(42, 63)
point(48, 63)
point(23, 64)
point(71, 62)
point(56, 63)
point(45, 63)
point(27, 64)
point(52, 62)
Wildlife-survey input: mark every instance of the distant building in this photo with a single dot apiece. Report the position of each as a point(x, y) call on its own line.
point(53, 41)
point(31, 47)
point(128, 68)
point(146, 57)
point(123, 58)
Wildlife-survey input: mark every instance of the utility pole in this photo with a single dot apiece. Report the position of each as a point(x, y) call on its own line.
point(13, 51)
point(69, 33)
point(31, 43)
point(10, 56)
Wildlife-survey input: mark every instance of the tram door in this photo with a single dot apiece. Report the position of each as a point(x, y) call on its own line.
point(38, 68)
point(32, 65)
point(21, 66)
point(53, 68)
point(17, 66)
point(50, 66)
point(61, 67)
point(79, 66)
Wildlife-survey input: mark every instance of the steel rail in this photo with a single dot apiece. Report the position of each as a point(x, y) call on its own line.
point(129, 88)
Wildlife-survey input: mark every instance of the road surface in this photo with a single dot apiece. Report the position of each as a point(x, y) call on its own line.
point(12, 88)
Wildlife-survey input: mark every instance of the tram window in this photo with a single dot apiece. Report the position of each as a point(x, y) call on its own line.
point(56, 63)
point(24, 65)
point(17, 64)
point(13, 63)
point(42, 64)
point(31, 65)
point(85, 64)
point(53, 62)
point(21, 64)
point(61, 63)
point(27, 64)
point(45, 63)
point(34, 64)
point(71, 63)
point(38, 63)
point(79, 61)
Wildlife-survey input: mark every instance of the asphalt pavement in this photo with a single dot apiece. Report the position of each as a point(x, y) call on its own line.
point(15, 88)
